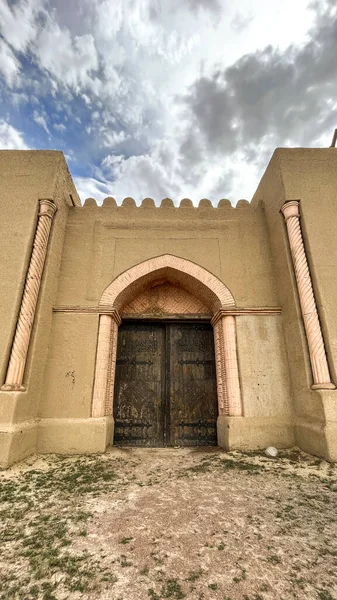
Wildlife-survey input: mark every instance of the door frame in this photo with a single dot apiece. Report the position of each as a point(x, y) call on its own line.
point(164, 323)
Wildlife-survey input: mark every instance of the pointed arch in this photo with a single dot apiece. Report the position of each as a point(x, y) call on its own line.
point(192, 277)
point(197, 281)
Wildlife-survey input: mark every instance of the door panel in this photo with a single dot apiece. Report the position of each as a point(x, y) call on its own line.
point(139, 403)
point(165, 385)
point(192, 385)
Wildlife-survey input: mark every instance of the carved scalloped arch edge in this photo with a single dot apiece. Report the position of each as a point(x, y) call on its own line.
point(166, 203)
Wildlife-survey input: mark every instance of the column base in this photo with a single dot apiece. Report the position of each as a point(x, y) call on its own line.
point(253, 433)
point(319, 437)
point(12, 387)
point(323, 386)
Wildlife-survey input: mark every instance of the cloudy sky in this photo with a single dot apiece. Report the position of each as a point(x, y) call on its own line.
point(178, 98)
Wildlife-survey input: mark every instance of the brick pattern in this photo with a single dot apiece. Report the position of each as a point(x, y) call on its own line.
point(165, 299)
point(231, 368)
point(111, 369)
point(103, 366)
point(220, 369)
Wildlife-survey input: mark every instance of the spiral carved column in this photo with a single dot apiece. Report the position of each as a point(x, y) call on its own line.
point(105, 364)
point(319, 363)
point(30, 296)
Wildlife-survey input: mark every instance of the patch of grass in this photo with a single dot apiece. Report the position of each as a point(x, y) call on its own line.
point(274, 559)
point(172, 589)
point(241, 577)
point(264, 587)
point(42, 549)
point(152, 594)
point(124, 562)
point(126, 540)
point(194, 575)
point(213, 586)
point(324, 595)
point(215, 463)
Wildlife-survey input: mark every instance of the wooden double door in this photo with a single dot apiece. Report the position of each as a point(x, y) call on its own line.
point(165, 385)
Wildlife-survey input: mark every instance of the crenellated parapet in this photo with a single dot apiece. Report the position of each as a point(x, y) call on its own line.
point(166, 203)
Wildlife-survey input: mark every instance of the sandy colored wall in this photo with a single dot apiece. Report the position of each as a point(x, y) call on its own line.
point(70, 369)
point(266, 390)
point(103, 242)
point(245, 247)
point(26, 177)
point(310, 176)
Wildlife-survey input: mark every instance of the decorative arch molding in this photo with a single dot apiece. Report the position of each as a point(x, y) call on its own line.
point(195, 280)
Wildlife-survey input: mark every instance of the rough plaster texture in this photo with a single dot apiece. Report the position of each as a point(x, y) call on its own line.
point(70, 367)
point(245, 248)
point(27, 177)
point(310, 176)
point(101, 243)
point(263, 365)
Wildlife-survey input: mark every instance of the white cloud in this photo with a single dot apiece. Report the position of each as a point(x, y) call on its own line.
point(59, 127)
point(88, 187)
point(179, 97)
point(40, 120)
point(9, 64)
point(11, 138)
point(18, 22)
point(70, 60)
point(110, 163)
point(110, 139)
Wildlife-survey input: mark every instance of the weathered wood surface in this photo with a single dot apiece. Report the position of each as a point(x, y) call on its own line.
point(165, 391)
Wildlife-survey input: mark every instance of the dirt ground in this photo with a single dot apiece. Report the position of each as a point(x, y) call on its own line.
point(169, 523)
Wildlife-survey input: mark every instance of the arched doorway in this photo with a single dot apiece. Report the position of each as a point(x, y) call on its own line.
point(173, 301)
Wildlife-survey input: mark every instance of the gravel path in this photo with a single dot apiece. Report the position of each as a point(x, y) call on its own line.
point(169, 523)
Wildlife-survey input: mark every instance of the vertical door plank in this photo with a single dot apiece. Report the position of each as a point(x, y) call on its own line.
point(192, 385)
point(140, 385)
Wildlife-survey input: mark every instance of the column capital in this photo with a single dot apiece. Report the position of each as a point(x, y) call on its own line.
point(47, 208)
point(223, 312)
point(291, 209)
point(112, 312)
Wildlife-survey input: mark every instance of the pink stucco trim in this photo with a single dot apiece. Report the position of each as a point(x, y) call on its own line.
point(233, 390)
point(195, 279)
point(102, 366)
point(220, 369)
point(19, 352)
point(319, 363)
